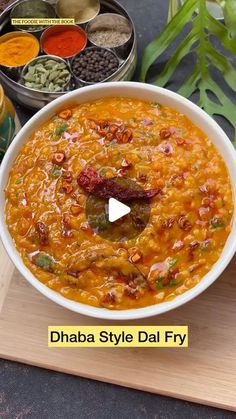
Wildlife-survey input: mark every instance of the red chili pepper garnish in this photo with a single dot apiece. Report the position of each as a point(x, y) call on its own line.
point(208, 202)
point(68, 188)
point(43, 233)
point(67, 175)
point(59, 157)
point(109, 136)
point(102, 123)
point(126, 136)
point(113, 129)
point(90, 180)
point(168, 223)
point(165, 133)
point(66, 114)
point(184, 223)
point(180, 141)
point(66, 227)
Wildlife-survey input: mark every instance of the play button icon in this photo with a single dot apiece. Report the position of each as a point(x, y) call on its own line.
point(115, 219)
point(117, 210)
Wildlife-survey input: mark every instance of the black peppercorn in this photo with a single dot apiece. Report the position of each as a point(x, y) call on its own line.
point(94, 65)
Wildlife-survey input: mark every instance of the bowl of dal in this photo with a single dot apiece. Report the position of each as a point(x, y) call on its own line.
point(85, 144)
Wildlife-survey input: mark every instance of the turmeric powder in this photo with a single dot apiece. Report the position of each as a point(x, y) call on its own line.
point(17, 50)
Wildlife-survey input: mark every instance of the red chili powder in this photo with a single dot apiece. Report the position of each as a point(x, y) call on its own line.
point(65, 43)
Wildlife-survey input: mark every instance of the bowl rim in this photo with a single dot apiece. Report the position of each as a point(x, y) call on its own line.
point(118, 89)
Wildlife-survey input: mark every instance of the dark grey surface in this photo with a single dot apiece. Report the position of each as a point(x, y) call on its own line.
point(29, 392)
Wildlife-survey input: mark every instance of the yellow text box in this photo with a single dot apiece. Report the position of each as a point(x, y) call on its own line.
point(117, 336)
point(42, 21)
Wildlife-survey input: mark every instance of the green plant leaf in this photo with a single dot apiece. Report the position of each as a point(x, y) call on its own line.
point(229, 9)
point(202, 29)
point(161, 43)
point(173, 9)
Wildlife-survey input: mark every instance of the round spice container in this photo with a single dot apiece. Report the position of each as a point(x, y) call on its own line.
point(109, 30)
point(64, 41)
point(32, 9)
point(94, 65)
point(17, 49)
point(7, 124)
point(81, 10)
point(46, 73)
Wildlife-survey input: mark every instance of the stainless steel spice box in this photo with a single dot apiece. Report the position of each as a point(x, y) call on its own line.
point(36, 99)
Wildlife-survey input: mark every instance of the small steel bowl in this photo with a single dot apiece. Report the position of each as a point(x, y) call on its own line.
point(109, 21)
point(65, 88)
point(81, 82)
point(14, 71)
point(77, 9)
point(58, 29)
point(36, 100)
point(32, 9)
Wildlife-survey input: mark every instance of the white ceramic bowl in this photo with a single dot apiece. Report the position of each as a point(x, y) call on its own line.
point(141, 91)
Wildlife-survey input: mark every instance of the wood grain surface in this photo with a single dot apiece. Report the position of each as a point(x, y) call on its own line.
point(204, 373)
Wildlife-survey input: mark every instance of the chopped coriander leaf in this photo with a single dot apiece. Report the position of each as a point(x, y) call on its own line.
point(100, 222)
point(55, 171)
point(62, 128)
point(44, 261)
point(19, 180)
point(217, 222)
point(156, 105)
point(173, 282)
point(58, 273)
point(102, 171)
point(205, 245)
point(171, 262)
point(111, 143)
point(159, 283)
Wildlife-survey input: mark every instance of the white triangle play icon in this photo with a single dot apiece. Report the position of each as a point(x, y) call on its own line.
point(117, 210)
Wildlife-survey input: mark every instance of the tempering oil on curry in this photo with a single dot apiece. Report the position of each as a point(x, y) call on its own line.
point(79, 152)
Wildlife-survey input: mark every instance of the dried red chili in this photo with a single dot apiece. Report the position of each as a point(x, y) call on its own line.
point(67, 175)
point(165, 133)
point(168, 223)
point(66, 114)
point(43, 233)
point(66, 227)
point(90, 180)
point(184, 223)
point(59, 157)
point(67, 187)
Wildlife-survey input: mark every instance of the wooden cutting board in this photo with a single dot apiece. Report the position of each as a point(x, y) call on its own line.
point(203, 373)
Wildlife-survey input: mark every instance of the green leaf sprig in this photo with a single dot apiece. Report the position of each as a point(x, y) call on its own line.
point(204, 28)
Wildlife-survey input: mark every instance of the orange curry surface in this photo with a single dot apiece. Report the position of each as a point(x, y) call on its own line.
point(158, 148)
